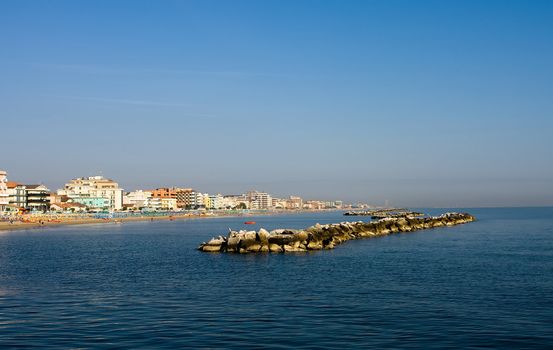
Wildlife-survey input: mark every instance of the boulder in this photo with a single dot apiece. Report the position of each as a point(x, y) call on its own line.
point(288, 248)
point(262, 235)
point(301, 236)
point(253, 248)
point(281, 239)
point(275, 248)
point(315, 245)
point(232, 242)
point(210, 248)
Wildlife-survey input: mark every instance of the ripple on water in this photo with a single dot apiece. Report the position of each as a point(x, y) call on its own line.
point(485, 284)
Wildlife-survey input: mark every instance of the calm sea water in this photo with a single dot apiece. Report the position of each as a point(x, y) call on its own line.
point(143, 285)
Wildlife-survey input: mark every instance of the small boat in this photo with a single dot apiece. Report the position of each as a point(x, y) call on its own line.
point(249, 222)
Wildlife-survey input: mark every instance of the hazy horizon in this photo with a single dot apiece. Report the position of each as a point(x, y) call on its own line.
point(423, 104)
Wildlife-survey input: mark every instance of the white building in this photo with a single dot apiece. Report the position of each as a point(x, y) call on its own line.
point(138, 199)
point(215, 202)
point(154, 203)
point(17, 195)
point(4, 195)
point(168, 203)
point(38, 197)
point(94, 192)
point(233, 201)
point(259, 200)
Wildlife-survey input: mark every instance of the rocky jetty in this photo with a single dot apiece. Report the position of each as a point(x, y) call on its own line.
point(319, 237)
point(385, 213)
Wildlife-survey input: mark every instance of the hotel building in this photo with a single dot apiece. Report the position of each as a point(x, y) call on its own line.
point(95, 192)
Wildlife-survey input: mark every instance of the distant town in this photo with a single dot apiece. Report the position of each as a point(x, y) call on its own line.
point(100, 194)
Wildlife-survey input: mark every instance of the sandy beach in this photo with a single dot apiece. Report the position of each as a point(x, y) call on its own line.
point(48, 221)
point(38, 222)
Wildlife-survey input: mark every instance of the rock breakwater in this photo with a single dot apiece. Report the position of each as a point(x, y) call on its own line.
point(328, 236)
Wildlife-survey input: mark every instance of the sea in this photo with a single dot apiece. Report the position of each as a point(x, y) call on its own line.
point(143, 285)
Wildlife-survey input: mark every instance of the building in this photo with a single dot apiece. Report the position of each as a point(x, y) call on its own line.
point(93, 202)
point(164, 192)
point(259, 200)
point(168, 203)
point(55, 198)
point(4, 195)
point(191, 200)
point(29, 197)
point(154, 203)
point(182, 194)
point(234, 201)
point(38, 197)
point(278, 203)
point(95, 192)
point(17, 195)
point(334, 205)
point(313, 205)
point(294, 203)
point(214, 201)
point(137, 199)
point(67, 206)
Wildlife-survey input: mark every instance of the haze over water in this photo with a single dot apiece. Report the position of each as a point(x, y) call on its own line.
point(143, 285)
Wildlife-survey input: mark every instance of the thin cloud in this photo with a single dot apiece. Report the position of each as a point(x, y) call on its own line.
point(134, 102)
point(98, 69)
point(124, 101)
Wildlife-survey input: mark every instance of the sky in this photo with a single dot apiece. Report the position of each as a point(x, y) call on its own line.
point(418, 103)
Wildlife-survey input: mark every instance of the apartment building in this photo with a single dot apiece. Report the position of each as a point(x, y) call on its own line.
point(94, 192)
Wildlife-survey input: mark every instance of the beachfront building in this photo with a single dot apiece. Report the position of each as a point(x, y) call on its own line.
point(294, 203)
point(28, 197)
point(334, 205)
point(154, 203)
point(92, 202)
point(96, 192)
point(234, 201)
point(259, 200)
point(182, 195)
point(4, 195)
point(191, 199)
point(214, 202)
point(278, 203)
point(137, 199)
point(164, 192)
point(17, 195)
point(168, 203)
point(68, 207)
point(319, 205)
point(37, 197)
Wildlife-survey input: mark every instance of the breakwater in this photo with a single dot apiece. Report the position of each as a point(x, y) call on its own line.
point(320, 237)
point(385, 213)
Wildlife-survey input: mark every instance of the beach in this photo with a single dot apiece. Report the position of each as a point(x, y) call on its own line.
point(24, 222)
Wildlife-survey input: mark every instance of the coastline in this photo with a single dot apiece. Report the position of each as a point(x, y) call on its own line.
point(42, 223)
point(6, 226)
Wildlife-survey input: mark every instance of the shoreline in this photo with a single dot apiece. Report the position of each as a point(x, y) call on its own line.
point(18, 226)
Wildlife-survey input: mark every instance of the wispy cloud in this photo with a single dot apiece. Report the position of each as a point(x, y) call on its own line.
point(135, 103)
point(124, 101)
point(100, 69)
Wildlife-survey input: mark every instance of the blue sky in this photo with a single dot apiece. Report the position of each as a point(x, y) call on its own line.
point(422, 103)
